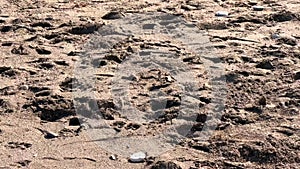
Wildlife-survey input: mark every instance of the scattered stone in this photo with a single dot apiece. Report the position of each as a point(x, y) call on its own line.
point(258, 8)
point(137, 157)
point(24, 163)
point(165, 165)
point(19, 145)
point(20, 50)
point(113, 15)
point(222, 14)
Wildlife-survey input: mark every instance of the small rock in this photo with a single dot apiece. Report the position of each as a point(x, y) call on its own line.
point(201, 118)
point(46, 65)
point(20, 50)
point(115, 58)
point(222, 14)
point(297, 76)
point(74, 121)
point(137, 157)
point(4, 69)
point(61, 62)
point(24, 87)
point(24, 163)
point(258, 8)
point(287, 40)
point(265, 65)
point(50, 135)
point(43, 51)
point(165, 165)
point(262, 101)
point(6, 28)
point(41, 24)
point(113, 15)
point(73, 53)
point(113, 157)
point(133, 126)
point(84, 29)
point(283, 16)
point(17, 21)
point(7, 43)
point(275, 36)
point(202, 146)
point(188, 7)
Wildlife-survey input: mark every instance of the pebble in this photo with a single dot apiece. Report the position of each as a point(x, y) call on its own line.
point(137, 157)
point(188, 7)
point(275, 36)
point(297, 76)
point(222, 13)
point(113, 157)
point(258, 8)
point(50, 135)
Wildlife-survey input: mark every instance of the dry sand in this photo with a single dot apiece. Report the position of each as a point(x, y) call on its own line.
point(41, 43)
